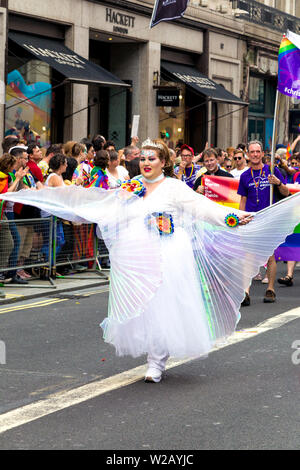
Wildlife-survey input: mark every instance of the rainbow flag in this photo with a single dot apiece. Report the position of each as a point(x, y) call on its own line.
point(289, 65)
point(3, 189)
point(224, 191)
point(290, 249)
point(289, 152)
point(99, 181)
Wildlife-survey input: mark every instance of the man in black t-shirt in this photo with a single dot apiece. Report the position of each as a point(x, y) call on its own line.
point(132, 160)
point(212, 168)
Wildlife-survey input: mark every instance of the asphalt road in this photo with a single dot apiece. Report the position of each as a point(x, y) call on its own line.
point(243, 396)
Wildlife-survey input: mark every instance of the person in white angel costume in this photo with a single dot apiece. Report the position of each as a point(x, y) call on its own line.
point(180, 263)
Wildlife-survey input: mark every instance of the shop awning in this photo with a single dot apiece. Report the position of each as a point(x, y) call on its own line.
point(72, 66)
point(199, 83)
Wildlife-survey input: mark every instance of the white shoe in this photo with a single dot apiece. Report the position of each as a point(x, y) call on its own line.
point(153, 375)
point(265, 280)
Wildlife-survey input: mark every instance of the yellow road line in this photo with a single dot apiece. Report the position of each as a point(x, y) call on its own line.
point(81, 394)
point(32, 305)
point(43, 303)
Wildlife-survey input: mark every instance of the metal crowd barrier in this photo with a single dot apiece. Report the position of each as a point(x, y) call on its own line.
point(46, 246)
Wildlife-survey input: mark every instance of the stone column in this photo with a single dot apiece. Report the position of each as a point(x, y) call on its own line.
point(137, 62)
point(149, 112)
point(76, 99)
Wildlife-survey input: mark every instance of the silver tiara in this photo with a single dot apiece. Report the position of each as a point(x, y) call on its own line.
point(149, 143)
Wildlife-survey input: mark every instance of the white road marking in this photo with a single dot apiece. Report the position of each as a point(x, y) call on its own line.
point(66, 399)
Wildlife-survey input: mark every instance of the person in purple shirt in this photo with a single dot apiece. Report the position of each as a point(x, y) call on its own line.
point(254, 189)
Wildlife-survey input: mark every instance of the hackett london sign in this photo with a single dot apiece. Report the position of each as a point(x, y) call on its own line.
point(167, 97)
point(60, 57)
point(120, 21)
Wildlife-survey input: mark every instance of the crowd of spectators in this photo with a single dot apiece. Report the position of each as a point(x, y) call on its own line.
point(96, 162)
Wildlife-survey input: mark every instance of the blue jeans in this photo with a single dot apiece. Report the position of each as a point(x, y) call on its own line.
point(13, 258)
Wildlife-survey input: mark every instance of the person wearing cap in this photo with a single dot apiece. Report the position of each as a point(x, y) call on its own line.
point(187, 170)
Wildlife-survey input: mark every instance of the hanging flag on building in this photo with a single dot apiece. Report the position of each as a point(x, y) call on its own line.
point(289, 65)
point(166, 10)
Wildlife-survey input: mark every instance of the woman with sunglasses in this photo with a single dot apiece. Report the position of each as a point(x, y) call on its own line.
point(240, 163)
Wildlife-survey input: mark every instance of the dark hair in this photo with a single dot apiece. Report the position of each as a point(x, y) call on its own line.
point(54, 148)
point(98, 142)
point(71, 167)
point(18, 151)
point(56, 161)
point(109, 143)
point(31, 147)
point(88, 144)
point(8, 142)
point(241, 146)
point(101, 159)
point(6, 162)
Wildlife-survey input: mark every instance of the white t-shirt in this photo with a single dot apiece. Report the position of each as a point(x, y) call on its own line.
point(44, 213)
point(237, 173)
point(116, 182)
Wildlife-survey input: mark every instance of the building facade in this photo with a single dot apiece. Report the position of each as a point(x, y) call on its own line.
point(76, 68)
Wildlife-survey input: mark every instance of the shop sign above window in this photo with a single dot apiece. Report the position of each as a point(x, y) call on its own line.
point(120, 21)
point(167, 97)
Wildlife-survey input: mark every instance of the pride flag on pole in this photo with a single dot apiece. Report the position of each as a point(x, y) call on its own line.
point(166, 10)
point(289, 65)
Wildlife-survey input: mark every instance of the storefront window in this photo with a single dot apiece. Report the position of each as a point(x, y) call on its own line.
point(257, 95)
point(262, 93)
point(28, 101)
point(172, 120)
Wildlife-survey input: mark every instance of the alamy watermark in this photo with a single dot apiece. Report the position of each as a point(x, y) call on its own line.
point(2, 353)
point(296, 354)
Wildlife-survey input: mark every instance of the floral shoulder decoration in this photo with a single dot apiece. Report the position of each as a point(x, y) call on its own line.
point(132, 187)
point(160, 221)
point(232, 220)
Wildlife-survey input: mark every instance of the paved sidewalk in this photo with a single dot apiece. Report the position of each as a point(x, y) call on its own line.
point(38, 288)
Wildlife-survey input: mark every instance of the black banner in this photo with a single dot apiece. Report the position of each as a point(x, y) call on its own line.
point(166, 10)
point(167, 97)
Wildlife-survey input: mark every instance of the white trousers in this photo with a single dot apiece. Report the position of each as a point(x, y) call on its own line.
point(157, 360)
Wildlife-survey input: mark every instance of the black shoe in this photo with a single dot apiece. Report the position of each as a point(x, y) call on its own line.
point(246, 301)
point(18, 280)
point(5, 278)
point(287, 281)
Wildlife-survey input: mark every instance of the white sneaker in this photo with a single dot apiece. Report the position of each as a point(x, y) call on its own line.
point(153, 375)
